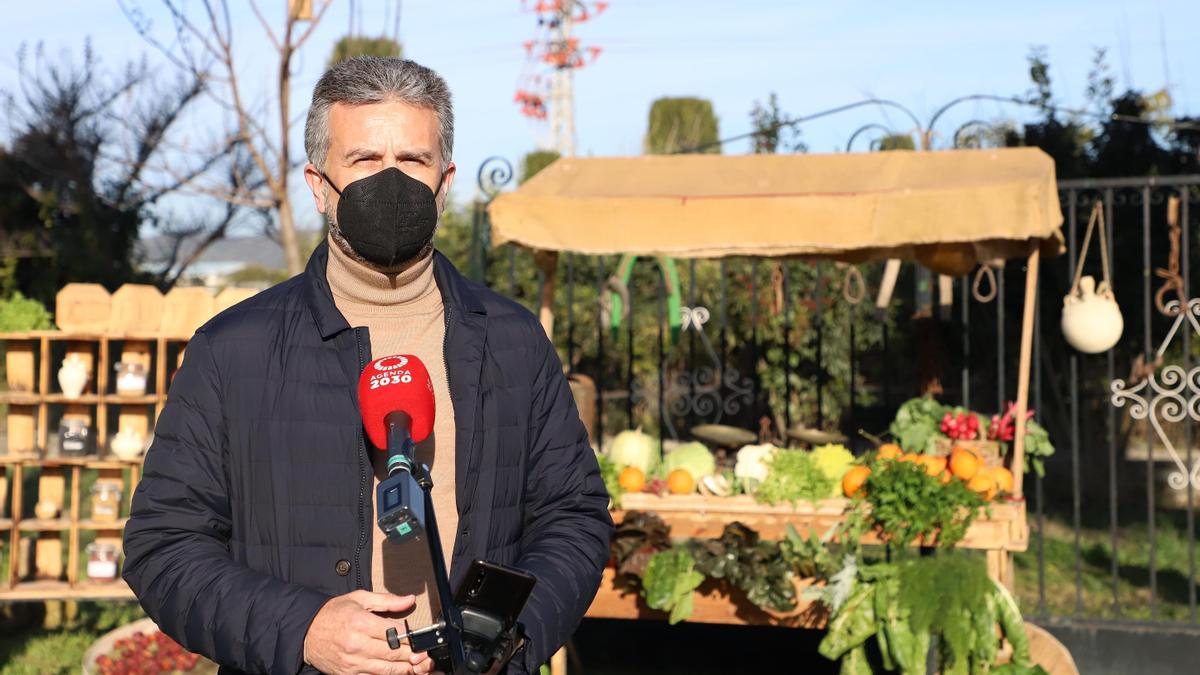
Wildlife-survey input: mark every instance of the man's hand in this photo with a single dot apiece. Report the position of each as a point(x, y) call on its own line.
point(347, 636)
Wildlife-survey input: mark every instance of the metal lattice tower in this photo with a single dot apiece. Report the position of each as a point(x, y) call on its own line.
point(550, 96)
point(562, 86)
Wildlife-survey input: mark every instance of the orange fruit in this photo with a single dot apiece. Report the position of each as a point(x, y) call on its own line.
point(964, 464)
point(944, 478)
point(1004, 479)
point(680, 482)
point(910, 457)
point(888, 451)
point(852, 482)
point(934, 465)
point(632, 479)
point(983, 483)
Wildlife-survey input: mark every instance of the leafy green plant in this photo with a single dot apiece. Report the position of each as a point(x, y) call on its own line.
point(907, 505)
point(793, 476)
point(758, 568)
point(1014, 669)
point(739, 559)
point(21, 313)
point(611, 473)
point(896, 609)
point(635, 541)
point(808, 557)
point(669, 582)
point(1037, 446)
point(917, 424)
point(938, 593)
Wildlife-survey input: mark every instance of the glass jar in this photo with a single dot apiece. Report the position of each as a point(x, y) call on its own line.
point(131, 379)
point(106, 502)
point(102, 561)
point(75, 438)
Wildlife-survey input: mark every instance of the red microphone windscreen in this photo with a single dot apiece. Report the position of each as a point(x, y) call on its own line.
point(398, 382)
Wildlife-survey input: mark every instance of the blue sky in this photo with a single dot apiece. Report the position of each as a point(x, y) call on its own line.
point(813, 55)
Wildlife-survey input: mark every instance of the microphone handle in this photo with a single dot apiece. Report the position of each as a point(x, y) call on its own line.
point(400, 447)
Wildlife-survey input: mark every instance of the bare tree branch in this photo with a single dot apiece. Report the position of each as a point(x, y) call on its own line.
point(268, 153)
point(266, 26)
point(312, 25)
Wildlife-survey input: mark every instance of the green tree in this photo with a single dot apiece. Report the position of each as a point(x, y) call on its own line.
point(77, 183)
point(535, 161)
point(358, 45)
point(772, 133)
point(896, 142)
point(681, 125)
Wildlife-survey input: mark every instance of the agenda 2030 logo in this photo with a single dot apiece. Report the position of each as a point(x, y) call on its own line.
point(392, 371)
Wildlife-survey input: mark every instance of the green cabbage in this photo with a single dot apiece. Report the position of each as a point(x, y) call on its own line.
point(694, 457)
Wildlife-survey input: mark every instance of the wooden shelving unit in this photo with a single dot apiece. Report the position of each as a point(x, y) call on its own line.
point(135, 324)
point(44, 554)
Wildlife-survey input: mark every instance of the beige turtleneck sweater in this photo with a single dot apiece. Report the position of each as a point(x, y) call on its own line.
point(404, 315)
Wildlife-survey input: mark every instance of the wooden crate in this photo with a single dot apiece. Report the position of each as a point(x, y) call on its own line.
point(4, 510)
point(22, 430)
point(136, 308)
point(186, 309)
point(228, 297)
point(83, 308)
point(711, 603)
point(704, 517)
point(20, 358)
point(992, 452)
point(998, 533)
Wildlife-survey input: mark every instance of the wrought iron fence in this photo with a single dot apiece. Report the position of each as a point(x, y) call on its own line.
point(768, 345)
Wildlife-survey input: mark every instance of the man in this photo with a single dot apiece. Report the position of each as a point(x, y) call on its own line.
point(252, 538)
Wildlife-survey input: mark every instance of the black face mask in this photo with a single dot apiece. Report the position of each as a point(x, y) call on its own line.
point(388, 217)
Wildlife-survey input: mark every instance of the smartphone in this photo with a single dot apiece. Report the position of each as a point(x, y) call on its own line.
point(495, 589)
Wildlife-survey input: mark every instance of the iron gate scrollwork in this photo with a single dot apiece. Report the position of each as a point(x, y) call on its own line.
point(707, 393)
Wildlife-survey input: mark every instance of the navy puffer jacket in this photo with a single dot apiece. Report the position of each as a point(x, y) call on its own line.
point(255, 505)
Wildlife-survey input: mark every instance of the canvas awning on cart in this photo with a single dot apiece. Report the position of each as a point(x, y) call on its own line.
point(850, 206)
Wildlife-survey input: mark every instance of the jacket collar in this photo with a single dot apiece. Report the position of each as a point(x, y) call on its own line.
point(456, 291)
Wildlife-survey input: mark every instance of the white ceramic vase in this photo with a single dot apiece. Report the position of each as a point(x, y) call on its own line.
point(1091, 319)
point(127, 445)
point(45, 510)
point(73, 376)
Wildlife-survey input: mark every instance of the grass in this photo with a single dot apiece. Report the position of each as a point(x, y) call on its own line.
point(1095, 599)
point(49, 652)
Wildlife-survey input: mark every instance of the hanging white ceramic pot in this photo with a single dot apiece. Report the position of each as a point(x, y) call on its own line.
point(1091, 320)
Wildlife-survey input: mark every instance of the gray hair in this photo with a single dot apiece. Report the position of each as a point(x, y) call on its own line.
point(375, 79)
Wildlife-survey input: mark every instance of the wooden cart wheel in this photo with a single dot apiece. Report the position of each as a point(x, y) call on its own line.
point(1044, 650)
point(1048, 652)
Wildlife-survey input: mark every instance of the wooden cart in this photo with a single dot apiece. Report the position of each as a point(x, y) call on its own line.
point(1000, 532)
point(974, 205)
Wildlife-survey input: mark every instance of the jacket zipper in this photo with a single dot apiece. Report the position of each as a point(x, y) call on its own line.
point(446, 369)
point(445, 342)
point(362, 483)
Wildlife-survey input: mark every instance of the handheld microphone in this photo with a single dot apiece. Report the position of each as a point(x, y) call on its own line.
point(395, 395)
